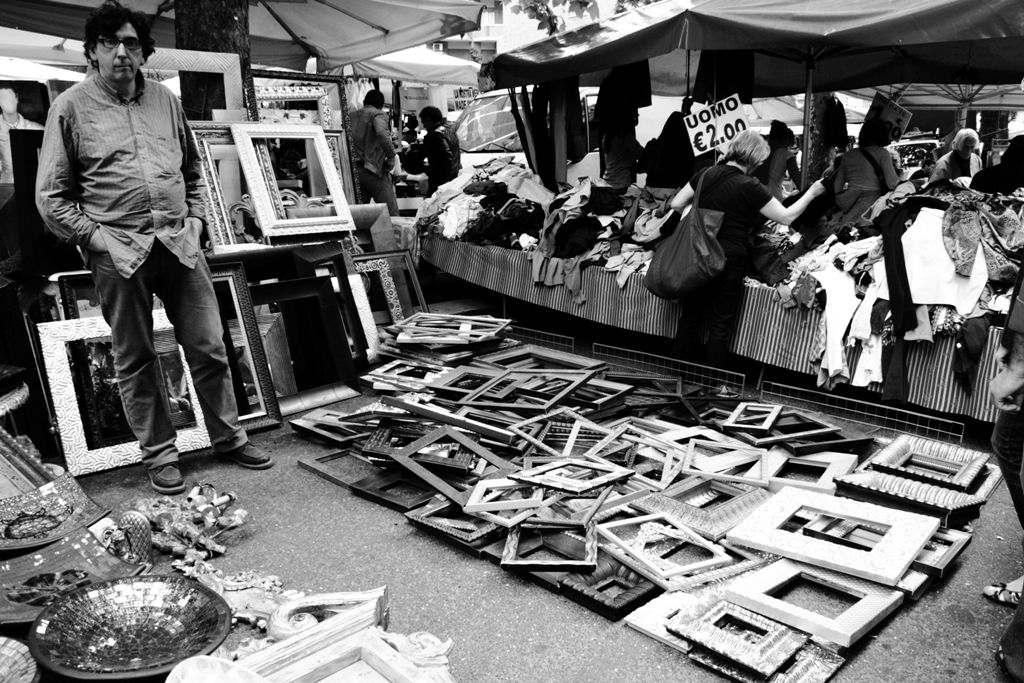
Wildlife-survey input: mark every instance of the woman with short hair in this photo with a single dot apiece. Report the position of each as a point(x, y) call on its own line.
point(864, 174)
point(960, 161)
point(745, 202)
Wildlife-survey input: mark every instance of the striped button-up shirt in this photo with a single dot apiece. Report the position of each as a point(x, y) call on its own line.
point(126, 168)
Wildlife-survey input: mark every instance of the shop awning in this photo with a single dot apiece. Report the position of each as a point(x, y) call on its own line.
point(419, 65)
point(285, 32)
point(850, 44)
point(951, 96)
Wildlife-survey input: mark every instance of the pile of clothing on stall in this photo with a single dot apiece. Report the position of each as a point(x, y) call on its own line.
point(940, 261)
point(497, 203)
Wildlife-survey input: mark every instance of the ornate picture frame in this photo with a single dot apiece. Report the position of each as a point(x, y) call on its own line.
point(266, 196)
point(226, 64)
point(906, 534)
point(80, 458)
point(293, 93)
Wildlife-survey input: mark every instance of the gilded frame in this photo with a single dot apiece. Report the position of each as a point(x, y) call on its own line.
point(755, 591)
point(886, 563)
point(711, 523)
point(294, 93)
point(266, 197)
point(80, 459)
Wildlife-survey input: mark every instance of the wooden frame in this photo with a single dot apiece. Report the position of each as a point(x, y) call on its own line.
point(534, 357)
point(958, 469)
point(948, 504)
point(612, 589)
point(226, 64)
point(441, 328)
point(443, 416)
point(654, 564)
point(457, 527)
point(490, 495)
point(557, 475)
point(886, 563)
point(791, 426)
point(327, 334)
point(519, 428)
point(938, 553)
point(376, 487)
point(403, 276)
point(811, 664)
point(687, 501)
point(523, 540)
point(828, 466)
point(530, 389)
point(447, 385)
point(405, 375)
point(763, 654)
point(341, 127)
point(292, 93)
point(80, 459)
point(758, 418)
point(266, 199)
point(216, 146)
point(382, 269)
point(404, 457)
point(335, 257)
point(757, 591)
point(337, 140)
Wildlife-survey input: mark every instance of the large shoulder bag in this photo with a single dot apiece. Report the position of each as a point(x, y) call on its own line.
point(691, 256)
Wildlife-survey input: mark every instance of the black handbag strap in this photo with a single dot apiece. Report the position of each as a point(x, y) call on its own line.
point(878, 168)
point(700, 183)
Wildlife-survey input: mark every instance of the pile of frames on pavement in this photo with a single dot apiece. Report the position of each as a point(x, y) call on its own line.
point(689, 514)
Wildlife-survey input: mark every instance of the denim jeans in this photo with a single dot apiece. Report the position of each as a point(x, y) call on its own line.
point(1008, 445)
point(191, 306)
point(379, 189)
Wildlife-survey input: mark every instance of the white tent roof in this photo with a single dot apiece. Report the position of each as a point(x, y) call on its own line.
point(14, 69)
point(419, 65)
point(39, 47)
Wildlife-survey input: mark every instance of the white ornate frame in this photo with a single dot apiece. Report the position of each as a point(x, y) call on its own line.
point(225, 63)
point(80, 459)
point(755, 589)
point(886, 563)
point(296, 93)
point(265, 196)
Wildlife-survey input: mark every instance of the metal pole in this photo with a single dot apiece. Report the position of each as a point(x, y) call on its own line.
point(805, 147)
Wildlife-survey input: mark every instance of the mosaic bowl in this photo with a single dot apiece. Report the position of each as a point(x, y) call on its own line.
point(129, 627)
point(16, 663)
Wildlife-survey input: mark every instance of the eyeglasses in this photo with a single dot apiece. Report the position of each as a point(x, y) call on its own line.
point(129, 42)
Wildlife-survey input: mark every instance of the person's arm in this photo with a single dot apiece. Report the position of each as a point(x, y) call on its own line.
point(682, 198)
point(775, 211)
point(191, 167)
point(1005, 388)
point(57, 187)
point(839, 182)
point(383, 133)
point(941, 170)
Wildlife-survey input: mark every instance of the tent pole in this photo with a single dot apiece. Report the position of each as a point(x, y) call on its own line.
point(805, 147)
point(558, 133)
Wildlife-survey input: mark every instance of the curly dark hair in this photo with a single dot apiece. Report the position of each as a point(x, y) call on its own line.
point(108, 18)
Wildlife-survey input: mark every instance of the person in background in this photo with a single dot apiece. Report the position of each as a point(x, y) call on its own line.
point(621, 152)
point(441, 145)
point(374, 150)
point(745, 202)
point(1007, 175)
point(960, 161)
point(410, 129)
point(1007, 392)
point(120, 177)
point(669, 157)
point(864, 174)
point(781, 160)
point(10, 119)
point(925, 171)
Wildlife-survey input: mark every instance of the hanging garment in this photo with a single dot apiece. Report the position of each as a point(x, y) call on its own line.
point(970, 343)
point(869, 364)
point(923, 331)
point(841, 303)
point(932, 274)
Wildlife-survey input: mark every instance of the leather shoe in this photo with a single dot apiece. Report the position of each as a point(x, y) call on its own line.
point(166, 479)
point(248, 456)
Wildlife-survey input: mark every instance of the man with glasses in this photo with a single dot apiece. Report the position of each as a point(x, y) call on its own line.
point(119, 176)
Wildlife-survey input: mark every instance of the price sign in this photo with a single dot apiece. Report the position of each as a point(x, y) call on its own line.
point(711, 127)
point(896, 117)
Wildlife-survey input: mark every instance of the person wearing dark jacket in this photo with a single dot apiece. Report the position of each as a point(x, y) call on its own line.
point(1005, 177)
point(441, 146)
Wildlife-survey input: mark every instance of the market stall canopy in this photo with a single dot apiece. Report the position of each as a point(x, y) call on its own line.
point(951, 96)
point(419, 65)
point(14, 69)
point(850, 45)
point(285, 32)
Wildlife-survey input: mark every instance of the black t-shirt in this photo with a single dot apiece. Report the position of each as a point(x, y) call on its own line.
point(739, 196)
